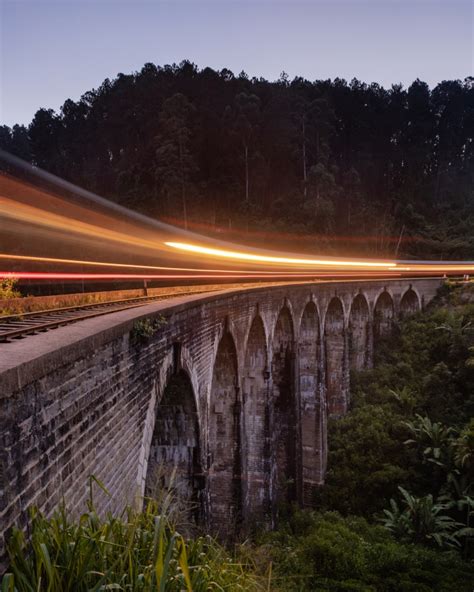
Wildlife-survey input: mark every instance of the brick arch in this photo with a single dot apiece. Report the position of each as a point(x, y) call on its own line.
point(164, 375)
point(284, 327)
point(224, 439)
point(359, 322)
point(283, 412)
point(383, 315)
point(334, 341)
point(409, 303)
point(174, 460)
point(311, 409)
point(254, 380)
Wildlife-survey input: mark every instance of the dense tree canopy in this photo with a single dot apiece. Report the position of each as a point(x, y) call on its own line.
point(345, 163)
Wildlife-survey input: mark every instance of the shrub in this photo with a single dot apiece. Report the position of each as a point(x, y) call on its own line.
point(336, 554)
point(7, 288)
point(144, 329)
point(138, 551)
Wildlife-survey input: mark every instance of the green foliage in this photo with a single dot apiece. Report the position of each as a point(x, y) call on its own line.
point(135, 552)
point(422, 521)
point(464, 449)
point(367, 460)
point(329, 553)
point(407, 445)
point(432, 438)
point(144, 329)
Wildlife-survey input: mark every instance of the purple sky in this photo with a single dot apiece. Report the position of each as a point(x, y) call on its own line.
point(54, 50)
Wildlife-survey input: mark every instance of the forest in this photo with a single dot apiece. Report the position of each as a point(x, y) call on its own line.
point(325, 166)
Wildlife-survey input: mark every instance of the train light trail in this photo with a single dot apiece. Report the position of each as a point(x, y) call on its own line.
point(35, 259)
point(100, 240)
point(78, 277)
point(33, 275)
point(32, 215)
point(239, 255)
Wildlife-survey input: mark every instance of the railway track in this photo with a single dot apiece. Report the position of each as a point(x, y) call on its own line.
point(20, 325)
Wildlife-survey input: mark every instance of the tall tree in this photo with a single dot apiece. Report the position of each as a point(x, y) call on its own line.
point(44, 132)
point(175, 163)
point(244, 118)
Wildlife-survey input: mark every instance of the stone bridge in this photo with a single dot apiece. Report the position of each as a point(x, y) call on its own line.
point(231, 393)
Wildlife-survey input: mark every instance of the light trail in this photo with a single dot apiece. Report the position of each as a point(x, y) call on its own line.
point(32, 259)
point(362, 265)
point(33, 215)
point(239, 255)
point(66, 219)
point(33, 275)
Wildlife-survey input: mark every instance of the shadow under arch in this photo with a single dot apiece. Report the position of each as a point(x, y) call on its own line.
point(283, 413)
point(409, 303)
point(383, 316)
point(255, 398)
point(224, 483)
point(334, 341)
point(311, 412)
point(174, 463)
point(359, 333)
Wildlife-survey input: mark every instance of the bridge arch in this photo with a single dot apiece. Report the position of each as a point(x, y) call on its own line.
point(255, 391)
point(224, 440)
point(383, 315)
point(359, 322)
point(174, 459)
point(311, 409)
point(283, 413)
point(409, 303)
point(335, 355)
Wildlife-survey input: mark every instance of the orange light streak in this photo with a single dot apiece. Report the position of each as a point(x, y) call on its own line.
point(33, 275)
point(278, 260)
point(32, 258)
point(25, 203)
point(32, 215)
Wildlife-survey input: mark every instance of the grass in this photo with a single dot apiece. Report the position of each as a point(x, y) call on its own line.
point(135, 552)
point(138, 551)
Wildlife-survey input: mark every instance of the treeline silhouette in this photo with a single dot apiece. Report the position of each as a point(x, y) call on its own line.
point(327, 165)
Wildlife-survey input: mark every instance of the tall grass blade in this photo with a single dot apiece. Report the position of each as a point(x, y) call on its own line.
point(183, 563)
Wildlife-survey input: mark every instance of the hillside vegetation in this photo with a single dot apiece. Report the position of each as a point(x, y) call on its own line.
point(397, 511)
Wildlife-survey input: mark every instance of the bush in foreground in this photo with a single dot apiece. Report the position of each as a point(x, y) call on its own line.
point(136, 552)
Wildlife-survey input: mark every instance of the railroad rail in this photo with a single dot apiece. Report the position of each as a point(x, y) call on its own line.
point(20, 325)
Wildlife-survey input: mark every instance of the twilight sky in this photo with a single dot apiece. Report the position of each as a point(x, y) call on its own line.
point(52, 50)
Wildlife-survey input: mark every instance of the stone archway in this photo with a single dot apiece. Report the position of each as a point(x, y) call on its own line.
point(410, 303)
point(256, 417)
point(334, 340)
point(359, 333)
point(383, 316)
point(224, 480)
point(175, 461)
point(283, 421)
